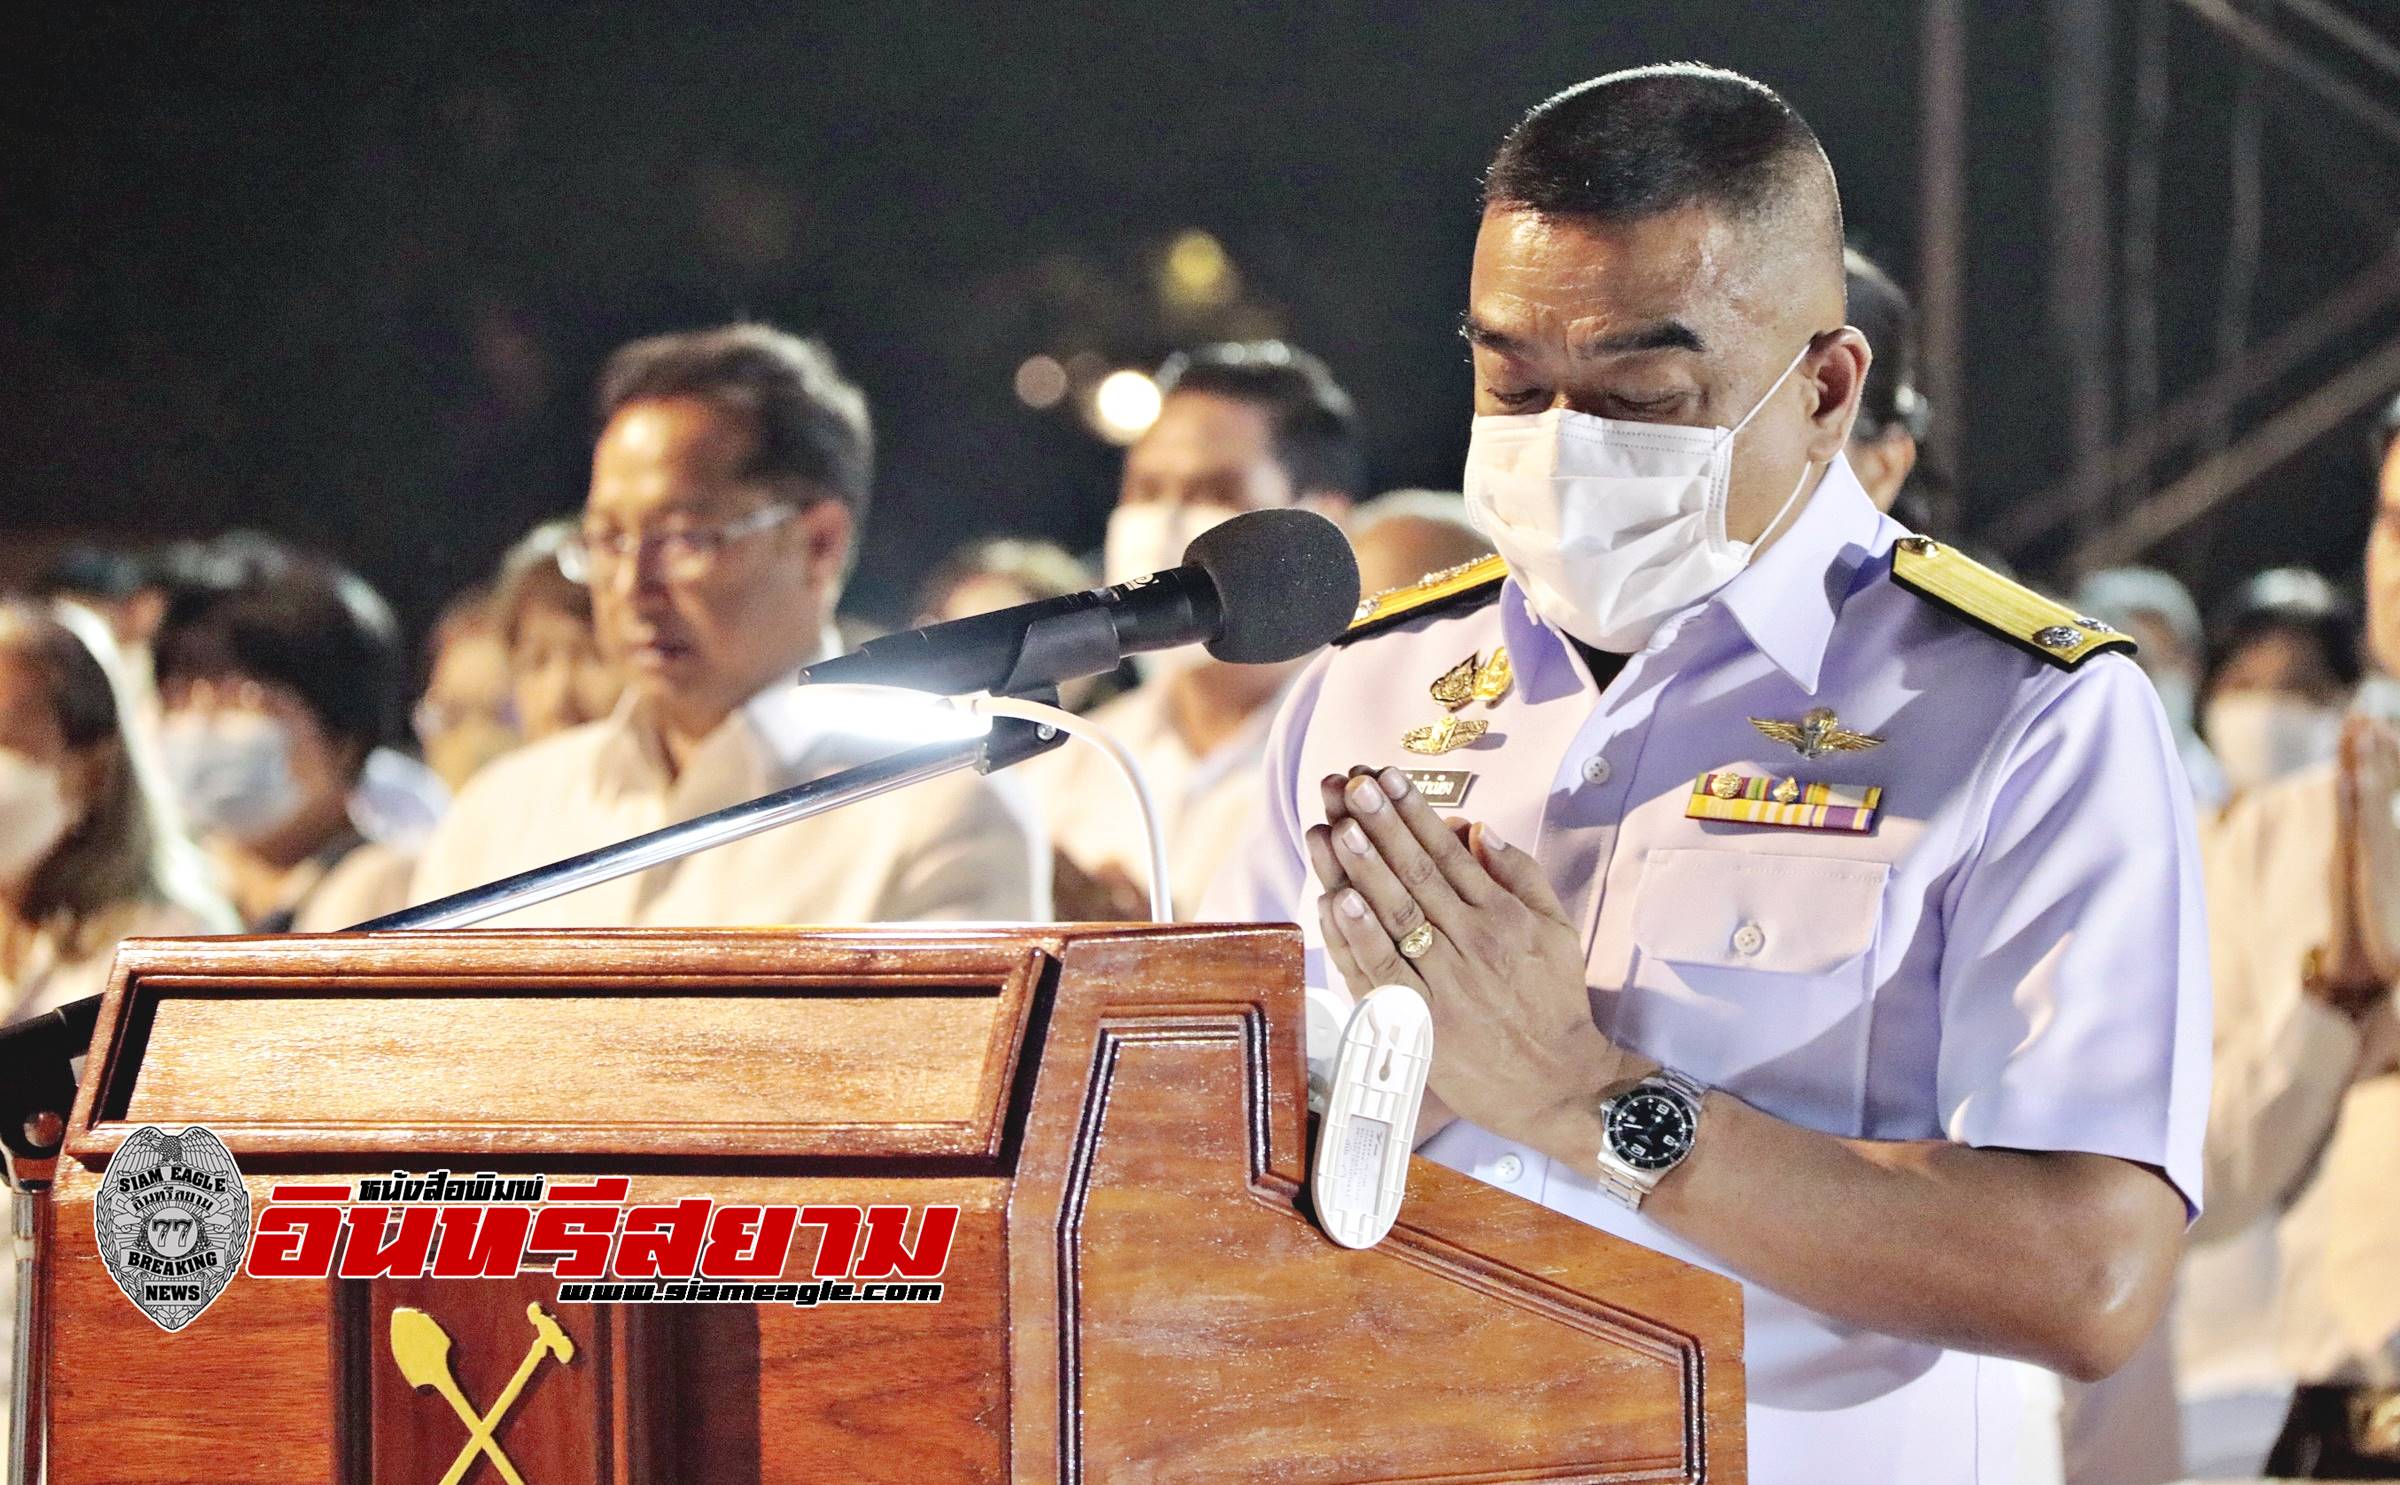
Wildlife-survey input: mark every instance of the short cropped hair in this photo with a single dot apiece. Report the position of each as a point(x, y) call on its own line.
point(1043, 569)
point(299, 622)
point(1651, 140)
point(811, 422)
point(1314, 423)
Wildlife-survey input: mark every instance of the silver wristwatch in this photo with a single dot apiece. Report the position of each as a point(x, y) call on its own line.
point(1646, 1131)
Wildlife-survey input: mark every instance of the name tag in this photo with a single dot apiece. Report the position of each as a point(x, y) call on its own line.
point(1765, 799)
point(1443, 788)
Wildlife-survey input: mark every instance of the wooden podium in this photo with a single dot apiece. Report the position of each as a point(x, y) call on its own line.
point(1135, 1293)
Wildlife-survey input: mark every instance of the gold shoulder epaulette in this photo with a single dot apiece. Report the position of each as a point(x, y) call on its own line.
point(2000, 606)
point(1464, 587)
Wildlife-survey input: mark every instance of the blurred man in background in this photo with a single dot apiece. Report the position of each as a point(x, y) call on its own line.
point(728, 488)
point(1402, 536)
point(2304, 1125)
point(1891, 413)
point(1241, 428)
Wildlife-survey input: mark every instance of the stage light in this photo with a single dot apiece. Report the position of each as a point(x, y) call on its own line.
point(1041, 382)
point(1198, 273)
point(1124, 405)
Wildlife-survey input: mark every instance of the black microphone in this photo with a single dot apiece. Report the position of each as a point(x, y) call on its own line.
point(1264, 587)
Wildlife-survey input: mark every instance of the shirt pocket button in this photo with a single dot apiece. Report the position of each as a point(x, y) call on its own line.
point(1749, 939)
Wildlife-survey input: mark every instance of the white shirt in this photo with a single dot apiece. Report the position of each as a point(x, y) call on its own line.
point(1208, 805)
point(2296, 1133)
point(369, 881)
point(2013, 956)
point(957, 847)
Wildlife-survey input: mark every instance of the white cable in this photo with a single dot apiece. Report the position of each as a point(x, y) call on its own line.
point(1162, 901)
point(900, 713)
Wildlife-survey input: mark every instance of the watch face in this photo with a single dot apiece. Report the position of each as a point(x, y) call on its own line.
point(1649, 1129)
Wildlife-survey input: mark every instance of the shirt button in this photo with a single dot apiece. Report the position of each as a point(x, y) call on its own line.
point(1507, 1168)
point(1749, 939)
point(1596, 770)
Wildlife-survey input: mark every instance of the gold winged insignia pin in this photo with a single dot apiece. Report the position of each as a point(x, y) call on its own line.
point(1457, 684)
point(1443, 736)
point(1816, 734)
point(1475, 678)
point(1496, 676)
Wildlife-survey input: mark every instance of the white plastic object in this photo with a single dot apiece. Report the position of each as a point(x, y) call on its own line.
point(1370, 1119)
point(1328, 1011)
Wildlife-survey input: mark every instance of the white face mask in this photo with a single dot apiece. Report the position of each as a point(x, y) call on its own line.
point(34, 813)
point(2260, 736)
point(1610, 526)
point(1150, 537)
point(231, 770)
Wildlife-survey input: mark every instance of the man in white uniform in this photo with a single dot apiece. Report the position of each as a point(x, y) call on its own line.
point(1242, 428)
point(1792, 895)
point(728, 486)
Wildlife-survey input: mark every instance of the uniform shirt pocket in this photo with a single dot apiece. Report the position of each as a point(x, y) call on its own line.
point(1800, 915)
point(1752, 972)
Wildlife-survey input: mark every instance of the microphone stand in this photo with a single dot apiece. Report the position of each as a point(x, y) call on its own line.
point(37, 1087)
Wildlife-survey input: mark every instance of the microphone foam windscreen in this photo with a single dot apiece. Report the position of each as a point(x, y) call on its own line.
point(1286, 580)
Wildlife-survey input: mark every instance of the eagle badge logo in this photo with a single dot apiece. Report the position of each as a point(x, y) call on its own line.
point(173, 1221)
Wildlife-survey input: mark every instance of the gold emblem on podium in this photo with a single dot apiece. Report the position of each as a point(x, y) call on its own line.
point(422, 1349)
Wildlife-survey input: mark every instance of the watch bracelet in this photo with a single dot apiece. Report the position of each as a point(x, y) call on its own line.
point(1621, 1182)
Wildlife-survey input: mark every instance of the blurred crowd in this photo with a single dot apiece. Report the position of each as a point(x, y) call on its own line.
point(217, 736)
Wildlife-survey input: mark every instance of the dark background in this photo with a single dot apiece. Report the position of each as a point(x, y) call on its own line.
point(344, 273)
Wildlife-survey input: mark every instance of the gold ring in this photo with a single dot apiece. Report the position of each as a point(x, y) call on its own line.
point(1414, 943)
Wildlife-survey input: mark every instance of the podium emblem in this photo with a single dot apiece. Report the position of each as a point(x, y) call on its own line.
point(421, 1348)
point(173, 1220)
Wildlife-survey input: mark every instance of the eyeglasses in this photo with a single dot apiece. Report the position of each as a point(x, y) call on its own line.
point(686, 552)
point(432, 718)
